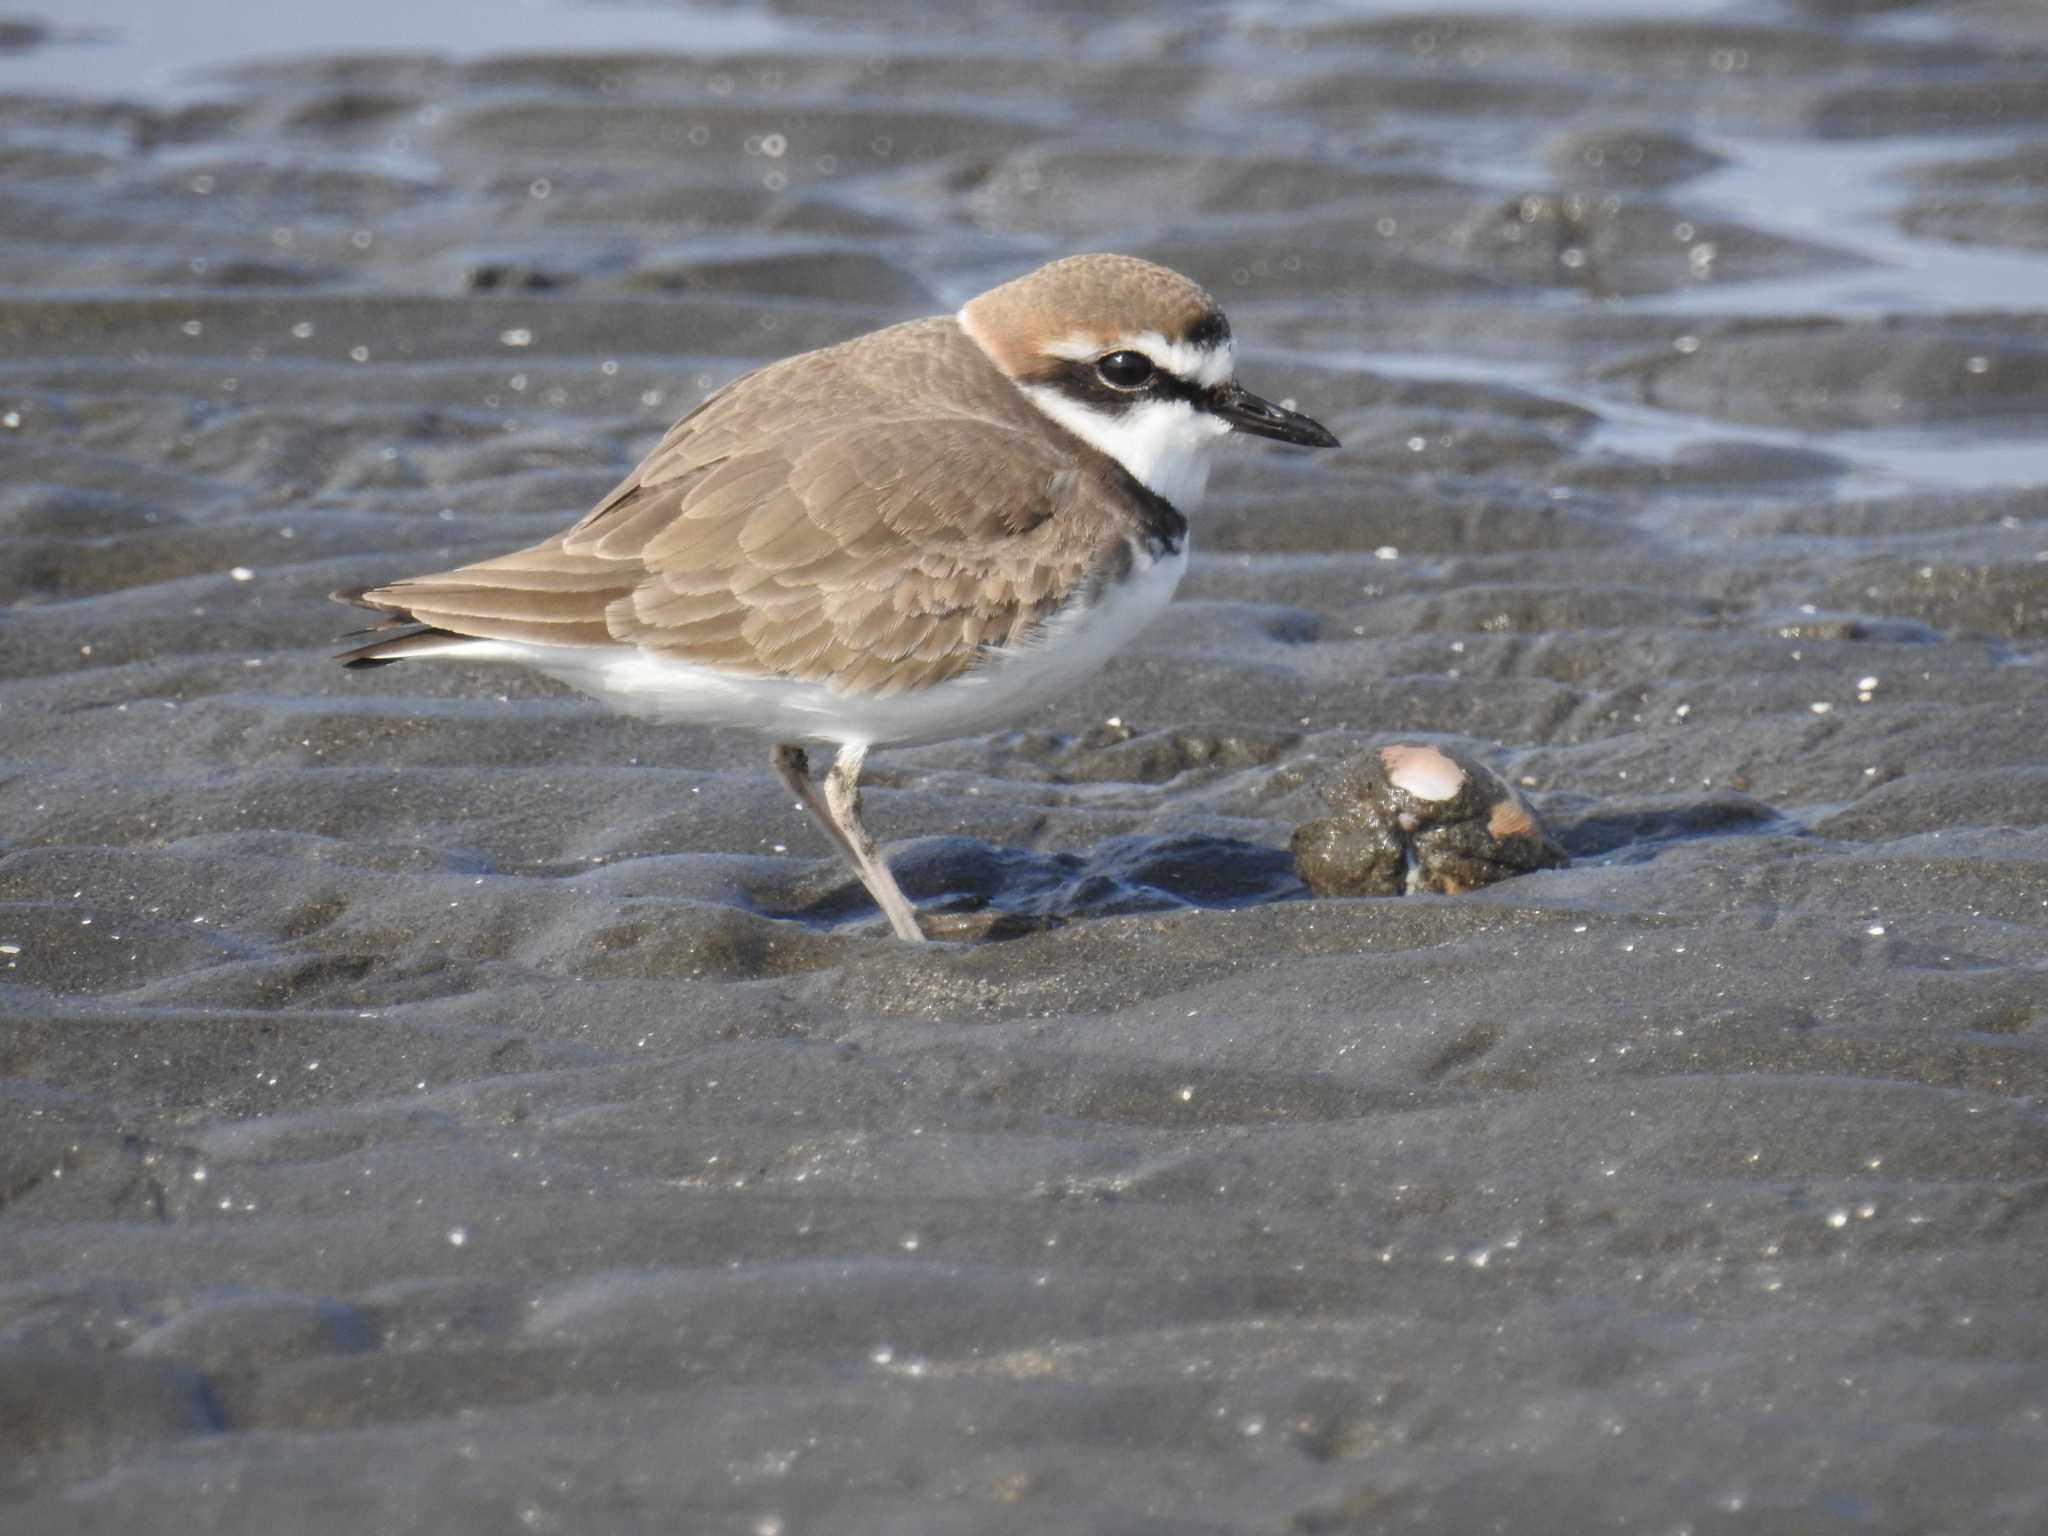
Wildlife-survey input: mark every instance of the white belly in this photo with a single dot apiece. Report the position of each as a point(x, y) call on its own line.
point(1070, 648)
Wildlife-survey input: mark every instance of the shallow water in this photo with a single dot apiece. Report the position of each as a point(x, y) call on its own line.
point(429, 1103)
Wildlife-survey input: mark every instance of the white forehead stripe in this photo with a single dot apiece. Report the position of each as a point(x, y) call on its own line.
point(1206, 366)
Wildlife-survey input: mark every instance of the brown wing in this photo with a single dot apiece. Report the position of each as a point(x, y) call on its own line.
point(879, 555)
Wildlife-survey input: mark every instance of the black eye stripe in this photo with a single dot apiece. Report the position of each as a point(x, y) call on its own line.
point(1079, 381)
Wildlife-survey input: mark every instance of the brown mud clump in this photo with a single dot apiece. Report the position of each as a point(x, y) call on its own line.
point(1413, 817)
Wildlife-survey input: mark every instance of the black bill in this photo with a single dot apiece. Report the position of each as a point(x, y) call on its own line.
point(1262, 418)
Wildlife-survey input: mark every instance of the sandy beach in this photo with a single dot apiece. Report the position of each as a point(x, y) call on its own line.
point(429, 1103)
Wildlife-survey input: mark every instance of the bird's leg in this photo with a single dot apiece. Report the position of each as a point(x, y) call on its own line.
point(838, 812)
point(842, 800)
point(793, 764)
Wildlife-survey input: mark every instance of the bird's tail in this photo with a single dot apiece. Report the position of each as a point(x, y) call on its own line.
point(398, 636)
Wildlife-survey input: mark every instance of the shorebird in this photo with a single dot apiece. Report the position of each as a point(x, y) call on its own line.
point(898, 539)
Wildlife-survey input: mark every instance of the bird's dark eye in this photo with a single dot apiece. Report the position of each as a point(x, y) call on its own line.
point(1124, 370)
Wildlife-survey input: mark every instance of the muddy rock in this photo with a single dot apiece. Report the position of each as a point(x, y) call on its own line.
point(1417, 817)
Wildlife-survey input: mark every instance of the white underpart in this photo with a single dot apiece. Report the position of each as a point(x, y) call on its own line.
point(1163, 443)
point(1069, 648)
point(1206, 366)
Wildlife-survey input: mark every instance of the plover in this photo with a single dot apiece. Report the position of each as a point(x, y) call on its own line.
point(898, 539)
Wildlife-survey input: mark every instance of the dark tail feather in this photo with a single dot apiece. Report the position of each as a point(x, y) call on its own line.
point(411, 639)
point(423, 639)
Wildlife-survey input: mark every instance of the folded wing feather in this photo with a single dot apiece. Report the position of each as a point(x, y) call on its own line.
point(879, 556)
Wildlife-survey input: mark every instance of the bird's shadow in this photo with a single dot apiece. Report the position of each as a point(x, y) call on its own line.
point(970, 888)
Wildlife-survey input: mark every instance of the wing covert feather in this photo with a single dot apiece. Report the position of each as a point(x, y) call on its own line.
point(879, 555)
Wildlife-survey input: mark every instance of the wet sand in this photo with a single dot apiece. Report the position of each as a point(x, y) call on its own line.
point(429, 1103)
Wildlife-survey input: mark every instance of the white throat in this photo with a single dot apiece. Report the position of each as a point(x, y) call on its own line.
point(1163, 443)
